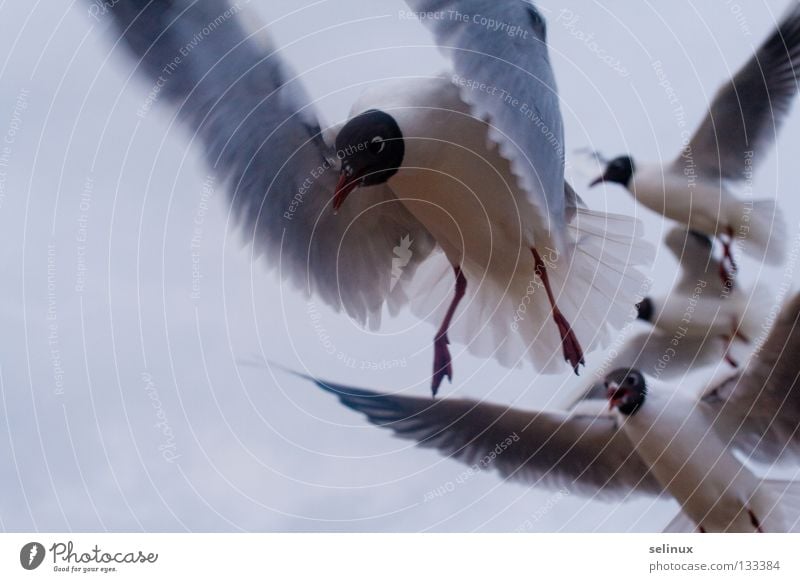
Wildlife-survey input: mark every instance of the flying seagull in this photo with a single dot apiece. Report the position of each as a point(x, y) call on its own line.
point(471, 164)
point(656, 438)
point(699, 187)
point(700, 306)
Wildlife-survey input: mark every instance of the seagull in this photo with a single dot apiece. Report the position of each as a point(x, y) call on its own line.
point(694, 443)
point(699, 188)
point(469, 165)
point(700, 305)
point(673, 435)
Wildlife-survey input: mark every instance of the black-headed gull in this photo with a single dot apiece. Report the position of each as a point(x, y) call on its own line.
point(472, 164)
point(699, 305)
point(699, 188)
point(673, 433)
point(691, 442)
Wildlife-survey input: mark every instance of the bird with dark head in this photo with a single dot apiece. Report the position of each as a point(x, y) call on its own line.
point(626, 389)
point(371, 149)
point(645, 310)
point(619, 171)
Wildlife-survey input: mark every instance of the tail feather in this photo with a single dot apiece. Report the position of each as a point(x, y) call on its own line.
point(681, 523)
point(787, 509)
point(596, 285)
point(762, 231)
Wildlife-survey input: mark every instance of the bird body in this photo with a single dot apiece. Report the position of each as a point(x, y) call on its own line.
point(455, 181)
point(439, 162)
point(670, 432)
point(699, 203)
point(698, 189)
point(704, 314)
point(692, 440)
point(712, 207)
point(699, 305)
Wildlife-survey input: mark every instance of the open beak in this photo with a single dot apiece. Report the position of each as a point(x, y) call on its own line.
point(614, 394)
point(346, 184)
point(597, 181)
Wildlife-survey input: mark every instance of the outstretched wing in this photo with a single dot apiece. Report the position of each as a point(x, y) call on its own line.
point(501, 63)
point(256, 124)
point(760, 406)
point(747, 111)
point(652, 350)
point(588, 454)
point(694, 252)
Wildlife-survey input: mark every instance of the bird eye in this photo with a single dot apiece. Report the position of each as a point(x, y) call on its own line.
point(378, 144)
point(630, 380)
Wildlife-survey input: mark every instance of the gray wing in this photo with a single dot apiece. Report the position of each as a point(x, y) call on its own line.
point(589, 455)
point(694, 252)
point(500, 59)
point(258, 130)
point(656, 352)
point(760, 406)
point(747, 112)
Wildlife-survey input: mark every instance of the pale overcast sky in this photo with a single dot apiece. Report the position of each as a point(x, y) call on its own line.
point(127, 403)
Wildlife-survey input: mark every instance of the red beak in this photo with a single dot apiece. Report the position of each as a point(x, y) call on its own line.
point(613, 393)
point(344, 186)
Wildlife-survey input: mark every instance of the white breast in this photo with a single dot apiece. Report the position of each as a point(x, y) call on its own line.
point(699, 313)
point(672, 434)
point(455, 181)
point(690, 200)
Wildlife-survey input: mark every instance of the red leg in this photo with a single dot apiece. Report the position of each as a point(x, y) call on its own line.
point(573, 352)
point(442, 363)
point(727, 266)
point(735, 333)
point(728, 358)
point(754, 521)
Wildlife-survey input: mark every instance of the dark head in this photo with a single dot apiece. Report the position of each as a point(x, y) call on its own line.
point(619, 170)
point(644, 310)
point(626, 390)
point(371, 149)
